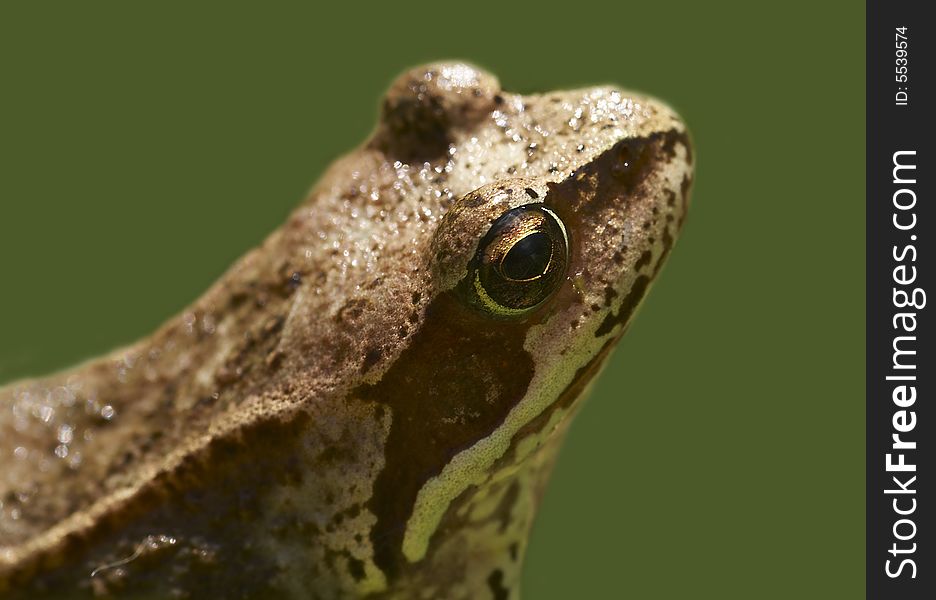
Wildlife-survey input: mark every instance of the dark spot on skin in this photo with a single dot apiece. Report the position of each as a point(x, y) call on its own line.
point(684, 200)
point(669, 147)
point(273, 325)
point(274, 360)
point(667, 245)
point(238, 298)
point(644, 260)
point(288, 280)
point(332, 455)
point(531, 193)
point(356, 568)
point(684, 189)
point(496, 582)
point(627, 307)
point(498, 99)
point(505, 506)
point(610, 294)
point(416, 297)
point(514, 551)
point(618, 258)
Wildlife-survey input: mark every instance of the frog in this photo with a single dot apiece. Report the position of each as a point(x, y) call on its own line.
point(370, 403)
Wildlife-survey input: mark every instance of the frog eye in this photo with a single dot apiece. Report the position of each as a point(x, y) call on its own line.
point(520, 262)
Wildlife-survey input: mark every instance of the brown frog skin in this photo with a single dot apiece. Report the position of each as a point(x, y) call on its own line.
point(369, 404)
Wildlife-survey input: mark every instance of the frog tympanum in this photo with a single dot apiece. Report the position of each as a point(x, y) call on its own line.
point(369, 404)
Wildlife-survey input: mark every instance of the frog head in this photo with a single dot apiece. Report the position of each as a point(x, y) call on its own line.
point(531, 278)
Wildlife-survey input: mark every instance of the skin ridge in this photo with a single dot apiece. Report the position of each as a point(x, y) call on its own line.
point(334, 419)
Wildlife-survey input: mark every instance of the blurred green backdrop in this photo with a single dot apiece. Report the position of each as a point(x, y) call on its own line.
point(722, 454)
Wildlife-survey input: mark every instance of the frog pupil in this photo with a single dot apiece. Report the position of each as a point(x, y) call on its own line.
point(528, 258)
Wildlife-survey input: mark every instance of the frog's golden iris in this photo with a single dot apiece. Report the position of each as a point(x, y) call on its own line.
point(520, 262)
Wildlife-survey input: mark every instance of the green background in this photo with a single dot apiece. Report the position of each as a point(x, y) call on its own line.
point(722, 454)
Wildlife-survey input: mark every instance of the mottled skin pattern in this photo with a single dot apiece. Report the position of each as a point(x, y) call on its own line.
point(332, 419)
